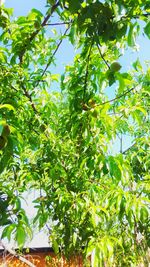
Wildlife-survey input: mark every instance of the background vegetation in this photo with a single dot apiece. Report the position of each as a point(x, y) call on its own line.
point(59, 142)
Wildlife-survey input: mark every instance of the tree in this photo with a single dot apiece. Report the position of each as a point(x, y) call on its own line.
point(58, 142)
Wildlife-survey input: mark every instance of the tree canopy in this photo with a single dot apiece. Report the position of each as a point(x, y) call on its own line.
point(59, 142)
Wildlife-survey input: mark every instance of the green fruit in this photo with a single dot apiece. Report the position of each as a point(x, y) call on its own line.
point(94, 113)
point(91, 102)
point(3, 142)
point(37, 24)
point(115, 66)
point(84, 106)
point(6, 130)
point(42, 128)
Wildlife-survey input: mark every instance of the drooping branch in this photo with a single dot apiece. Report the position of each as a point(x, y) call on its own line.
point(14, 253)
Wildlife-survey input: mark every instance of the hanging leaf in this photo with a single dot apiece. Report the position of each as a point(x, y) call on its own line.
point(8, 230)
point(7, 106)
point(20, 235)
point(147, 29)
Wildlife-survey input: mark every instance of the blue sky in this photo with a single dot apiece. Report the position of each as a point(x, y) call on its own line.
point(66, 53)
point(21, 8)
point(65, 56)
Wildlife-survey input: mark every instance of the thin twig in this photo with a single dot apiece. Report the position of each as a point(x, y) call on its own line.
point(58, 23)
point(102, 56)
point(129, 148)
point(26, 93)
point(136, 16)
point(52, 56)
point(117, 97)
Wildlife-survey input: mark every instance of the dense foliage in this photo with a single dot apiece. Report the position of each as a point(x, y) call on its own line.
point(58, 142)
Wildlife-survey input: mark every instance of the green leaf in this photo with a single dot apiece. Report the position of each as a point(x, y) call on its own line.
point(62, 143)
point(20, 235)
point(74, 6)
point(55, 245)
point(35, 14)
point(147, 29)
point(8, 106)
point(96, 257)
point(1, 129)
point(17, 204)
point(137, 65)
point(111, 77)
point(114, 168)
point(144, 214)
point(131, 35)
point(75, 238)
point(8, 230)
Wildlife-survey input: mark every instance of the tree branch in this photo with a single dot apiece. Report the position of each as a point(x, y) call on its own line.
point(129, 148)
point(26, 93)
point(98, 46)
point(40, 80)
point(136, 16)
point(117, 97)
point(52, 56)
point(13, 252)
point(34, 34)
point(58, 23)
